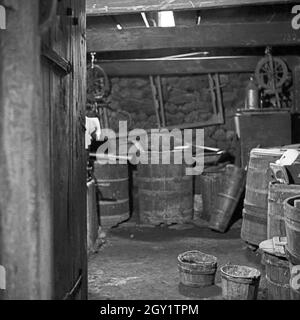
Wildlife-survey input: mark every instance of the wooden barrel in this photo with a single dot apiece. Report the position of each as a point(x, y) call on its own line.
point(228, 198)
point(211, 183)
point(277, 269)
point(197, 184)
point(277, 276)
point(277, 194)
point(134, 194)
point(112, 183)
point(292, 225)
point(165, 193)
point(197, 269)
point(295, 281)
point(92, 216)
point(254, 226)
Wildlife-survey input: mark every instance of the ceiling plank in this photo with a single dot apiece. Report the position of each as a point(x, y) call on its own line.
point(144, 67)
point(202, 36)
point(111, 7)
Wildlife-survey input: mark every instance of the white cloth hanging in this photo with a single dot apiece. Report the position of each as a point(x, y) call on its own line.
point(92, 125)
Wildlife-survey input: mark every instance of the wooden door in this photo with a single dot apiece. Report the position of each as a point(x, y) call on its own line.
point(42, 155)
point(66, 111)
point(78, 156)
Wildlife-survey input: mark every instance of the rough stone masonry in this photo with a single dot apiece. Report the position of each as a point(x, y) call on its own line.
point(187, 99)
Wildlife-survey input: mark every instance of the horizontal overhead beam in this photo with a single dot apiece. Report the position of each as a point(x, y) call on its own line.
point(112, 7)
point(144, 67)
point(203, 36)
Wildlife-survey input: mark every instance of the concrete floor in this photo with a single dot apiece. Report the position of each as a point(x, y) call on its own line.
point(139, 262)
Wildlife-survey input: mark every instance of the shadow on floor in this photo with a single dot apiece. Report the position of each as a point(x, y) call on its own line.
point(200, 293)
point(159, 234)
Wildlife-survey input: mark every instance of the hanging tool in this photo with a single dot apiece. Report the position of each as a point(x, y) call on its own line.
point(155, 100)
point(212, 92)
point(160, 99)
point(98, 83)
point(216, 95)
point(98, 89)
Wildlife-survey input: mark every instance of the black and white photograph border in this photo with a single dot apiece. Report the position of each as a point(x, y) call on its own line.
point(149, 153)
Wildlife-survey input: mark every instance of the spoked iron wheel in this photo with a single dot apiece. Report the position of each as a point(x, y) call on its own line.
point(269, 76)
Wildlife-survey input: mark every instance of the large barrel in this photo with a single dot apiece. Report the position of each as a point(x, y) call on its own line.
point(277, 194)
point(112, 182)
point(133, 193)
point(254, 226)
point(228, 198)
point(211, 183)
point(165, 193)
point(292, 225)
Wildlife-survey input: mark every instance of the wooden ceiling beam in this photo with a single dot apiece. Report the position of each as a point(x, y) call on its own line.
point(145, 67)
point(258, 34)
point(112, 7)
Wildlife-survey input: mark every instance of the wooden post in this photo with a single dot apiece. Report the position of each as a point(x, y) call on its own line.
point(144, 67)
point(78, 178)
point(110, 7)
point(25, 225)
point(296, 83)
point(210, 35)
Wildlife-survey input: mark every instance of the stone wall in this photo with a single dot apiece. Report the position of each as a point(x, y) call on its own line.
point(186, 100)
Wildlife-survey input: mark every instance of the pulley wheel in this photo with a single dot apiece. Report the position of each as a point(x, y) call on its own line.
point(98, 85)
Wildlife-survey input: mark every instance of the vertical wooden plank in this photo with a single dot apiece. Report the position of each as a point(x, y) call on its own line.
point(296, 104)
point(296, 81)
point(77, 189)
point(79, 155)
point(60, 110)
point(25, 225)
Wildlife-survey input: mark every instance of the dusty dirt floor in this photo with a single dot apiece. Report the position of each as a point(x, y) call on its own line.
point(140, 262)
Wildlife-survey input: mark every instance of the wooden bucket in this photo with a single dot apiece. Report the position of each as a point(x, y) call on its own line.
point(165, 193)
point(277, 268)
point(227, 200)
point(277, 194)
point(197, 269)
point(211, 184)
point(292, 225)
point(92, 216)
point(277, 276)
point(239, 282)
point(254, 226)
point(112, 183)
